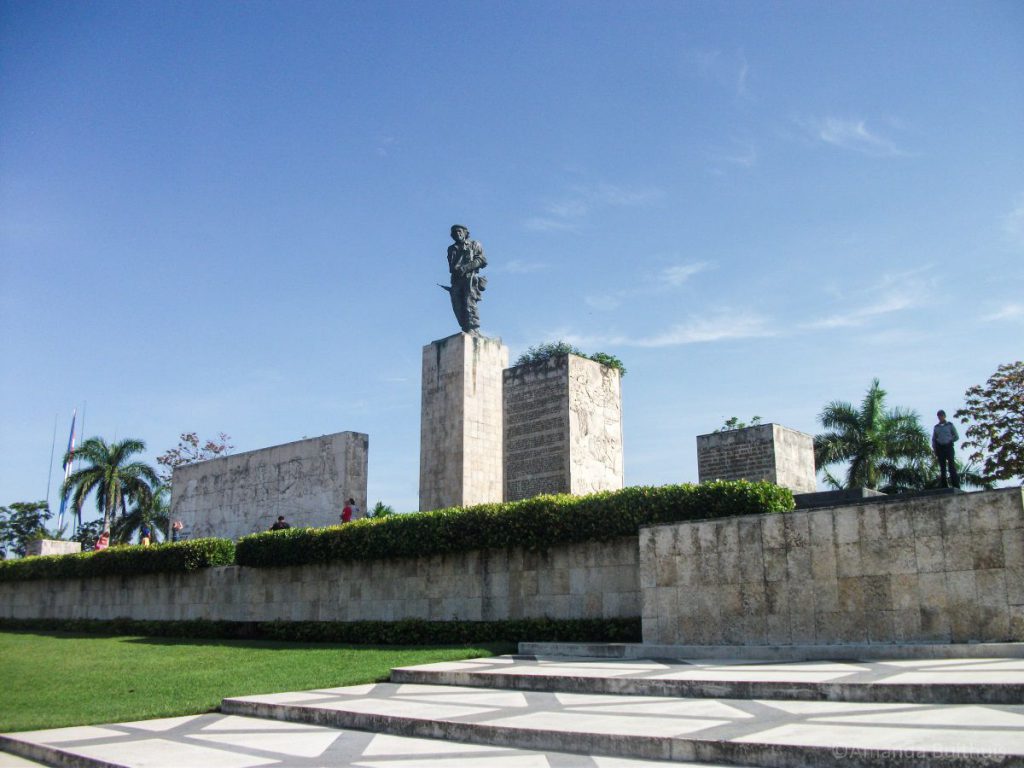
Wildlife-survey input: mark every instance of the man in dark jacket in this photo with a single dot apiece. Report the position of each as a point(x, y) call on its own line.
point(943, 438)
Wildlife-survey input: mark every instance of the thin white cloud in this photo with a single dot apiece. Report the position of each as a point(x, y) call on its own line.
point(1014, 222)
point(729, 70)
point(894, 302)
point(678, 274)
point(892, 292)
point(580, 202)
point(521, 267)
point(544, 224)
point(723, 326)
point(603, 302)
point(665, 280)
point(853, 135)
point(1011, 311)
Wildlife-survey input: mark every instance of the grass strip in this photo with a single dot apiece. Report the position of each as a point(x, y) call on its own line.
point(56, 680)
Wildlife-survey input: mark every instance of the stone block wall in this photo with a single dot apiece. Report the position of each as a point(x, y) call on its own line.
point(944, 568)
point(461, 421)
point(764, 452)
point(307, 481)
point(563, 428)
point(590, 580)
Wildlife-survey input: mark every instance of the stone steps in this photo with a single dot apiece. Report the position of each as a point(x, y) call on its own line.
point(228, 741)
point(781, 734)
point(519, 713)
point(931, 681)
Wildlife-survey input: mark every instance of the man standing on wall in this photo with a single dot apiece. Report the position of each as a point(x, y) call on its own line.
point(943, 437)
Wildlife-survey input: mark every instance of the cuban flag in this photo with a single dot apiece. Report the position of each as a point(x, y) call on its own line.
point(69, 460)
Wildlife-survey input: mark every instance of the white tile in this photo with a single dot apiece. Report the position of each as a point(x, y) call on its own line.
point(293, 743)
point(74, 733)
point(492, 761)
point(386, 745)
point(162, 753)
point(398, 708)
point(164, 723)
point(629, 726)
point(240, 723)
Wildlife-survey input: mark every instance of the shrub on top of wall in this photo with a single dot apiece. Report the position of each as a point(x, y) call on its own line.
point(123, 561)
point(533, 524)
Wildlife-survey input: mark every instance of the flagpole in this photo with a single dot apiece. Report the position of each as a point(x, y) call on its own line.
point(69, 460)
point(49, 476)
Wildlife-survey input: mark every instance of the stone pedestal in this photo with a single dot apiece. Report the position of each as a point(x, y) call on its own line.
point(52, 547)
point(563, 428)
point(307, 481)
point(460, 425)
point(766, 452)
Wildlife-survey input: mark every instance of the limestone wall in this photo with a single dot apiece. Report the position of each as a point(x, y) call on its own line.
point(946, 568)
point(307, 481)
point(591, 580)
point(563, 428)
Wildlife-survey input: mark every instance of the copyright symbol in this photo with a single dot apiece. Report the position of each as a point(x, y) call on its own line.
point(839, 752)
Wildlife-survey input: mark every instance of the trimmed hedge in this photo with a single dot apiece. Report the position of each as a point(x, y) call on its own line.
point(535, 524)
point(123, 561)
point(408, 632)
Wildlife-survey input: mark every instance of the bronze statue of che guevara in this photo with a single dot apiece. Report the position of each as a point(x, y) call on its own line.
point(465, 260)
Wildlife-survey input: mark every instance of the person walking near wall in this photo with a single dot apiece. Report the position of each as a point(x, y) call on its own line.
point(944, 436)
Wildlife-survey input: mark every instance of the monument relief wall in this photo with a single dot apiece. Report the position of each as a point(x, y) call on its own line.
point(769, 452)
point(563, 428)
point(307, 481)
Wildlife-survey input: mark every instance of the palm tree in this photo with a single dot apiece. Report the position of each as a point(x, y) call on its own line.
point(153, 513)
point(922, 474)
point(875, 441)
point(109, 473)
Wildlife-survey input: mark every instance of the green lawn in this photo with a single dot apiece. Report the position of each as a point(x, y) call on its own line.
point(54, 680)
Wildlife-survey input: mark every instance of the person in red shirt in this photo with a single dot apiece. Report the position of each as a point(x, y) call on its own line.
point(348, 511)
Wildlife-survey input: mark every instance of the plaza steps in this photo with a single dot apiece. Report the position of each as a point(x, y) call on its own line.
point(568, 704)
point(912, 681)
point(599, 711)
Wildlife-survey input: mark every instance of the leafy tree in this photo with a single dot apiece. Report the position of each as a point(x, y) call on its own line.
point(153, 512)
point(109, 472)
point(21, 523)
point(875, 441)
point(189, 451)
point(380, 509)
point(997, 434)
point(735, 423)
point(558, 348)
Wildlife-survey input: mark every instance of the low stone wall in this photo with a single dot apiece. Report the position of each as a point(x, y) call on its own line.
point(944, 568)
point(590, 580)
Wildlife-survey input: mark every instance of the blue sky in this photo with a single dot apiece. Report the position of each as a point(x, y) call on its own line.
point(232, 216)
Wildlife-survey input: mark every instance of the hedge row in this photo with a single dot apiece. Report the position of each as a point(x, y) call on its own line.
point(123, 561)
point(408, 632)
point(534, 524)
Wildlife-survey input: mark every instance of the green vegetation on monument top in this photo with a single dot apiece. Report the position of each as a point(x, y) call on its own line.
point(112, 679)
point(552, 349)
